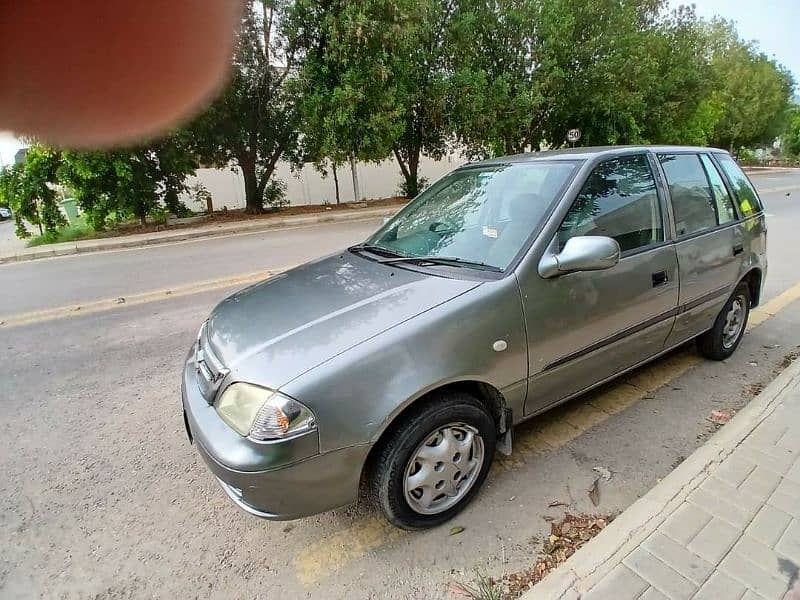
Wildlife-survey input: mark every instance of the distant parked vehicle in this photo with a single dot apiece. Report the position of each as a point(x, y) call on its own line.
point(506, 288)
point(5, 213)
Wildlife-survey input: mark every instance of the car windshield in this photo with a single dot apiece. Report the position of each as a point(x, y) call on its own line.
point(479, 215)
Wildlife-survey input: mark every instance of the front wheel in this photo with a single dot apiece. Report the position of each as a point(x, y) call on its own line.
point(719, 342)
point(433, 464)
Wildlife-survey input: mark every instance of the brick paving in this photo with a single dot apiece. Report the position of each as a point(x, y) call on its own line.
point(729, 530)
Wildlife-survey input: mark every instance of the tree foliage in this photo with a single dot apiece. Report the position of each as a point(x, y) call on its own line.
point(423, 89)
point(752, 91)
point(791, 138)
point(331, 81)
point(254, 123)
point(29, 190)
point(135, 182)
point(348, 102)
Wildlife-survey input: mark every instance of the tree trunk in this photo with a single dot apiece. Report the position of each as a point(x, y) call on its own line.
point(336, 183)
point(409, 171)
point(412, 182)
point(354, 169)
point(38, 217)
point(254, 201)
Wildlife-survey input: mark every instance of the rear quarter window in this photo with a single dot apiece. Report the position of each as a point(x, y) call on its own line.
point(745, 194)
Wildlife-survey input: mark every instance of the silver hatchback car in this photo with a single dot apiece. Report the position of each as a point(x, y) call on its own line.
point(401, 364)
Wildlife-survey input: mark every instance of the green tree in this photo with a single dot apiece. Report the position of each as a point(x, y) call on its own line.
point(29, 190)
point(592, 69)
point(494, 95)
point(349, 103)
point(129, 183)
point(525, 71)
point(791, 138)
point(13, 196)
point(423, 89)
point(254, 123)
point(753, 91)
point(681, 107)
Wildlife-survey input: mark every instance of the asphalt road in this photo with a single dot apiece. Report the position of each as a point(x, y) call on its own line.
point(102, 496)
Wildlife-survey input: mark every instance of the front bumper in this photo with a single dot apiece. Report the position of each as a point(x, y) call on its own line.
point(278, 481)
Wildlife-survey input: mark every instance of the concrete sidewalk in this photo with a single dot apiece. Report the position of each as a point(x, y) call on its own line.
point(723, 525)
point(215, 230)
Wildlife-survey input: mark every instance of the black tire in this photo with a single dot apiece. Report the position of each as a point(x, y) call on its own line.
point(712, 344)
point(388, 470)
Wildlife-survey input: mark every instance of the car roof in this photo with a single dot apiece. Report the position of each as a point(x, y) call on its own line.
point(585, 153)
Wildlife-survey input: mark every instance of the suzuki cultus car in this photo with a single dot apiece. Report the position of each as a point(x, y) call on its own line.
point(401, 364)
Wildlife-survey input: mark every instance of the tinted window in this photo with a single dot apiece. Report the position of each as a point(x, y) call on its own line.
point(746, 196)
point(618, 200)
point(722, 199)
point(692, 200)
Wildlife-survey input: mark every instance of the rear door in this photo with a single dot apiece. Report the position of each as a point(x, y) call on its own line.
point(708, 243)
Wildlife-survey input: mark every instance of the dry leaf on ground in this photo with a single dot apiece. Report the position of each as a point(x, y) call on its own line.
point(566, 537)
point(720, 417)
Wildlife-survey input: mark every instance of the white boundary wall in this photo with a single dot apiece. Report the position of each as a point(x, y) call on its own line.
point(376, 180)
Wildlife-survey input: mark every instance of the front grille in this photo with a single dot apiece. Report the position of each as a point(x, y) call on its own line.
point(210, 371)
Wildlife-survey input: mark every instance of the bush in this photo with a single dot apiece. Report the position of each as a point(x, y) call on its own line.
point(79, 230)
point(275, 194)
point(403, 190)
point(159, 215)
point(747, 156)
point(202, 197)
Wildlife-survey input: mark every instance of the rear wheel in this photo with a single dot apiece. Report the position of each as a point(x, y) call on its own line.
point(433, 464)
point(719, 342)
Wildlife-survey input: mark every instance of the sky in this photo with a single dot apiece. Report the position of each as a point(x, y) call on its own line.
point(772, 24)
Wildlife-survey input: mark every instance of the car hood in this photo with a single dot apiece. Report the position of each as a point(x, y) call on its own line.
point(276, 330)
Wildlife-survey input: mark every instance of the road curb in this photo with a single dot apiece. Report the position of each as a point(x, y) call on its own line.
point(756, 170)
point(170, 237)
point(598, 557)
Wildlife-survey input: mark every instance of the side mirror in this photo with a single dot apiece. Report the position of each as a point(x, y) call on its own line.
point(581, 253)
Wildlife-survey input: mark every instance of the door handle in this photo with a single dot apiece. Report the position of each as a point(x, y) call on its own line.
point(738, 249)
point(660, 278)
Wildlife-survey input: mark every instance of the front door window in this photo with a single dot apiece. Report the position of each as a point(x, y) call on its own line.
point(618, 200)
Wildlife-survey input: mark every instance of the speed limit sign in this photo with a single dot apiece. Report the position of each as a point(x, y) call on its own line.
point(573, 135)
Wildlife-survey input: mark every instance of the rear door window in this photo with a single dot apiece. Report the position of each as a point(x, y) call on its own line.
point(722, 199)
point(618, 200)
point(692, 199)
point(746, 197)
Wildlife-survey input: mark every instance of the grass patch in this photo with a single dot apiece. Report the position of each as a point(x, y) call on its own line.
point(79, 230)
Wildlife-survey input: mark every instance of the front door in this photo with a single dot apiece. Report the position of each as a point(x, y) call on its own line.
point(585, 327)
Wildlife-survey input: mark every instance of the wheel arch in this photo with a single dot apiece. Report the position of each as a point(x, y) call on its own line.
point(491, 398)
point(753, 279)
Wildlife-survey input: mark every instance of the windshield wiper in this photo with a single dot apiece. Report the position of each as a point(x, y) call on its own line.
point(450, 261)
point(374, 248)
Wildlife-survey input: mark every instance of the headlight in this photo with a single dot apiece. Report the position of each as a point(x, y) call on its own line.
point(263, 414)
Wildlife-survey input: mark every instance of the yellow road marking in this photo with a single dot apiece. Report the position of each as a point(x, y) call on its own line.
point(328, 555)
point(134, 299)
point(542, 435)
point(773, 307)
